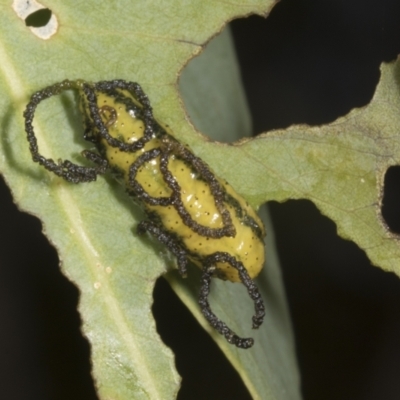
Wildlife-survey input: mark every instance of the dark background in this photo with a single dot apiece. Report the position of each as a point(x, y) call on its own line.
point(310, 61)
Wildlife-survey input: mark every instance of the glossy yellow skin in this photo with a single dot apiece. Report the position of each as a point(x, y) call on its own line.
point(197, 198)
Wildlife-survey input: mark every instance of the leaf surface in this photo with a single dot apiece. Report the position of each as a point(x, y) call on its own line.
point(92, 225)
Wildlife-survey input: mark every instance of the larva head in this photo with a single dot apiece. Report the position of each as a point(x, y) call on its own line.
point(114, 114)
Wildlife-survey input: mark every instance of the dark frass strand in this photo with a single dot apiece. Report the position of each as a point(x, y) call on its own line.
point(196, 215)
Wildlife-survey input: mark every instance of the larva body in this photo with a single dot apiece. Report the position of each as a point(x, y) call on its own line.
point(196, 215)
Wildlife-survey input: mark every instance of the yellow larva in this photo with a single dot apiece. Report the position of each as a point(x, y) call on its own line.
point(198, 216)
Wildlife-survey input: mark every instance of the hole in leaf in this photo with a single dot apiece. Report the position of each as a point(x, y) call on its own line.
point(212, 92)
point(39, 18)
point(391, 199)
point(344, 311)
point(312, 61)
point(44, 355)
point(205, 372)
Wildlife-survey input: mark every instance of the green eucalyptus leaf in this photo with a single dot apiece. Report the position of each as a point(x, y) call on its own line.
point(92, 225)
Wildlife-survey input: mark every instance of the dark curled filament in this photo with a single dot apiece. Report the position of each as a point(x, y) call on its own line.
point(66, 169)
point(175, 199)
point(221, 327)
